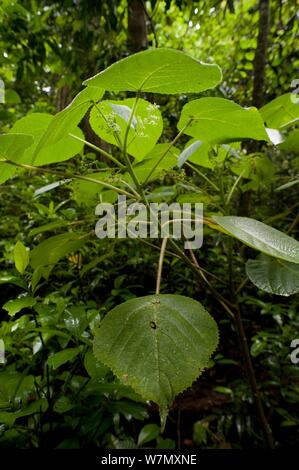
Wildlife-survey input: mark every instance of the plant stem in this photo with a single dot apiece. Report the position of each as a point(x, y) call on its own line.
point(68, 175)
point(160, 267)
point(126, 157)
point(203, 176)
point(166, 151)
point(252, 379)
point(98, 149)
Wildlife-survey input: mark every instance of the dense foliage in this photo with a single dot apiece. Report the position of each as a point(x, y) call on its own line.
point(136, 342)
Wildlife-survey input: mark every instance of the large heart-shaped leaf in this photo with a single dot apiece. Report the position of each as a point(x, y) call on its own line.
point(66, 120)
point(12, 146)
point(260, 236)
point(218, 120)
point(158, 344)
point(110, 119)
point(61, 150)
point(273, 275)
point(158, 71)
point(281, 112)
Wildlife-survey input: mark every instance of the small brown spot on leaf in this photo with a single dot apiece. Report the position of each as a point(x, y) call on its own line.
point(153, 325)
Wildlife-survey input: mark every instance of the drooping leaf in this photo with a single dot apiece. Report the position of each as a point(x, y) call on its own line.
point(158, 345)
point(158, 71)
point(21, 257)
point(288, 185)
point(273, 275)
point(148, 433)
point(9, 279)
point(66, 120)
point(16, 305)
point(218, 120)
point(49, 187)
point(260, 236)
point(50, 251)
point(281, 112)
point(62, 357)
point(196, 152)
point(48, 227)
point(109, 120)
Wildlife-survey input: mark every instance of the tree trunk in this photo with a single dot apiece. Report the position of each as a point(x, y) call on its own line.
point(137, 31)
point(260, 59)
point(259, 66)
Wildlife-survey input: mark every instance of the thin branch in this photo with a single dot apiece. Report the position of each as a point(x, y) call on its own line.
point(160, 267)
point(68, 175)
point(98, 149)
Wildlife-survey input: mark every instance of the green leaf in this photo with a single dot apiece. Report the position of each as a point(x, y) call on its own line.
point(148, 433)
point(273, 275)
point(7, 171)
point(287, 185)
point(50, 251)
point(158, 71)
point(66, 120)
point(9, 279)
point(16, 305)
point(261, 237)
point(75, 319)
point(158, 345)
point(218, 120)
point(224, 390)
point(109, 121)
point(62, 357)
point(12, 97)
point(15, 387)
point(63, 404)
point(48, 227)
point(291, 143)
point(143, 169)
point(94, 368)
point(49, 187)
point(63, 149)
point(12, 146)
point(87, 192)
point(21, 257)
point(196, 152)
point(281, 112)
point(199, 433)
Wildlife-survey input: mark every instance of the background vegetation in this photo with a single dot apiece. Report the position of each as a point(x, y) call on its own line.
point(52, 399)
